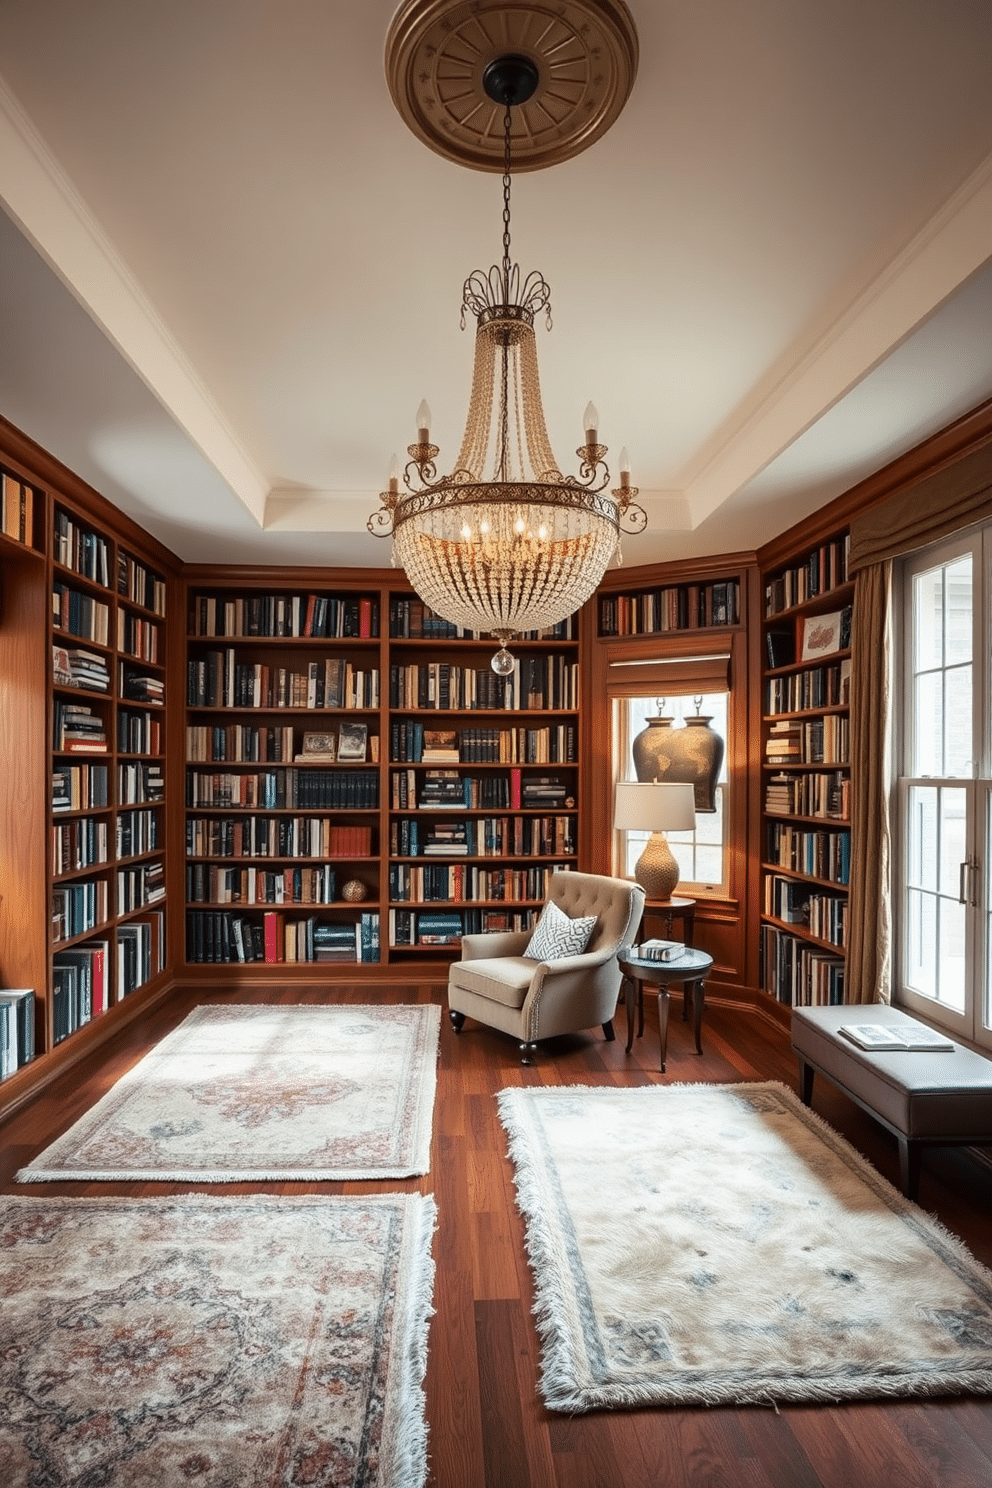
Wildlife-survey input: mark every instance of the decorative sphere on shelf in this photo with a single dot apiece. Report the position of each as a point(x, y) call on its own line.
point(355, 891)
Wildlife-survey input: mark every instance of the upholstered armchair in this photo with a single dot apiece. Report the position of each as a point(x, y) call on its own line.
point(501, 982)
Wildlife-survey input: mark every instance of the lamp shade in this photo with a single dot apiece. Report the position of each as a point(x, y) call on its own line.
point(656, 807)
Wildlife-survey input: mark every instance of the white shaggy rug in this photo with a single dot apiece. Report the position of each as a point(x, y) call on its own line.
point(703, 1244)
point(268, 1094)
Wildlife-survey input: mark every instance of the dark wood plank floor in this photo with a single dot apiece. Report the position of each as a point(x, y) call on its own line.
point(488, 1428)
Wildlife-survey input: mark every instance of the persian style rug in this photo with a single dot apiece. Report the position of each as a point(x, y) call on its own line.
point(211, 1340)
point(703, 1245)
point(264, 1093)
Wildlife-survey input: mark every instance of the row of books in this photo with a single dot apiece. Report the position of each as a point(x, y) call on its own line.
point(673, 607)
point(139, 784)
point(80, 987)
point(814, 741)
point(275, 837)
point(72, 667)
point(76, 729)
point(237, 743)
point(276, 615)
point(139, 584)
point(140, 886)
point(219, 680)
point(140, 687)
point(16, 508)
point(488, 837)
point(138, 832)
point(797, 973)
point(410, 927)
point(826, 794)
point(76, 547)
point(817, 687)
point(537, 682)
point(138, 733)
point(223, 936)
point(17, 1013)
point(795, 902)
point(207, 884)
point(79, 844)
point(79, 787)
point(820, 853)
point(80, 615)
point(316, 940)
point(140, 951)
point(79, 907)
point(274, 790)
point(441, 790)
point(411, 619)
point(824, 569)
point(432, 883)
point(411, 743)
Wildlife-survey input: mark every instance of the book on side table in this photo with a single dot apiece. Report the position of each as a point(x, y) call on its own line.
point(886, 1036)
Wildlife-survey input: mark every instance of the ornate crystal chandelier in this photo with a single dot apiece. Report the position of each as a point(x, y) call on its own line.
point(524, 546)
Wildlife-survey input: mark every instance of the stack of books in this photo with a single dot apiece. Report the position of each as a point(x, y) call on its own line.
point(77, 729)
point(88, 669)
point(541, 792)
point(658, 950)
point(784, 744)
point(442, 790)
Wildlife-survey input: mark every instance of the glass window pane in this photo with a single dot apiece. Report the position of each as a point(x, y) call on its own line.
point(953, 831)
point(921, 943)
point(921, 835)
point(957, 722)
point(928, 620)
point(951, 962)
point(958, 605)
point(928, 726)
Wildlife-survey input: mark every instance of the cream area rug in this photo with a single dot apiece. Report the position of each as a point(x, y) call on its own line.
point(215, 1341)
point(703, 1245)
point(264, 1093)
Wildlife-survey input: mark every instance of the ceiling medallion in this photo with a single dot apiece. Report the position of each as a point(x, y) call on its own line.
point(437, 51)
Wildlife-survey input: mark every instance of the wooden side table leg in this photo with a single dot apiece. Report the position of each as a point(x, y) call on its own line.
point(663, 1001)
point(628, 997)
point(698, 994)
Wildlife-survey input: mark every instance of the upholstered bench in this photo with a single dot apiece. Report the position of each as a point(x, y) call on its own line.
point(926, 1098)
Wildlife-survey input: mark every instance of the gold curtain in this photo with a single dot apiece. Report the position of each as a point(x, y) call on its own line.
point(869, 939)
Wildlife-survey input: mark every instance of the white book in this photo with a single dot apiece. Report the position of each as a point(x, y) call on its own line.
point(895, 1036)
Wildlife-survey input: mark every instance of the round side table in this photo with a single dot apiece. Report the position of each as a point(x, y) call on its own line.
point(689, 972)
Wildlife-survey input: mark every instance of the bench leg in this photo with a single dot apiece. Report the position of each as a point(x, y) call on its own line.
point(806, 1073)
point(910, 1163)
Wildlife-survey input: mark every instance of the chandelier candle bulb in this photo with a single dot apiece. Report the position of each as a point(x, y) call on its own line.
point(424, 422)
point(590, 422)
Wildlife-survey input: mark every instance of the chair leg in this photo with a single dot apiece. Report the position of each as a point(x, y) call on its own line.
point(527, 1052)
point(457, 1020)
point(608, 1033)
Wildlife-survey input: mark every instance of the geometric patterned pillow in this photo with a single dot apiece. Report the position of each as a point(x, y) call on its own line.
point(556, 936)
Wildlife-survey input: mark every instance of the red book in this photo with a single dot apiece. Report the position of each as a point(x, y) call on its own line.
point(273, 946)
point(364, 617)
point(515, 790)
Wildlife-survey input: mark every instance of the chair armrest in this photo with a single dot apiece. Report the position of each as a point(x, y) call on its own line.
point(494, 943)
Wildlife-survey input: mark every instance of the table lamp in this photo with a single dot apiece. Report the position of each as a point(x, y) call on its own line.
point(656, 808)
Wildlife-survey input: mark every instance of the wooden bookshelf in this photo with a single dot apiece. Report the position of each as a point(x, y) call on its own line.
point(805, 774)
point(83, 811)
point(483, 786)
point(283, 772)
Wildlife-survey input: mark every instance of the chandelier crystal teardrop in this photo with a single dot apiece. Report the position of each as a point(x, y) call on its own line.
point(523, 547)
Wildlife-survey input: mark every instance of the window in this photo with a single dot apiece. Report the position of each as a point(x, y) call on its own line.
point(943, 897)
point(701, 854)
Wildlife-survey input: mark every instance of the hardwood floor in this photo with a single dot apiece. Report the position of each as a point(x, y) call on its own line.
point(488, 1428)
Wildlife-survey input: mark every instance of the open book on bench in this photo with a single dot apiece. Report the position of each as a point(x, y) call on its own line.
point(889, 1036)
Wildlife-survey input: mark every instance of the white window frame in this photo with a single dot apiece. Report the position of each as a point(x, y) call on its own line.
point(974, 867)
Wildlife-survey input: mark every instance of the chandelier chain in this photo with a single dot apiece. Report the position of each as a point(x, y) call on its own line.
point(507, 126)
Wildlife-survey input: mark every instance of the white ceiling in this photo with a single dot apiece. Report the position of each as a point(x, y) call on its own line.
point(229, 272)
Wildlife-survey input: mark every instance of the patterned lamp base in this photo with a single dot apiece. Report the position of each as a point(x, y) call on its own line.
point(656, 870)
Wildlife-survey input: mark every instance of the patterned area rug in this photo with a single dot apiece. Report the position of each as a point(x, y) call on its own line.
point(214, 1341)
point(702, 1245)
point(265, 1093)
